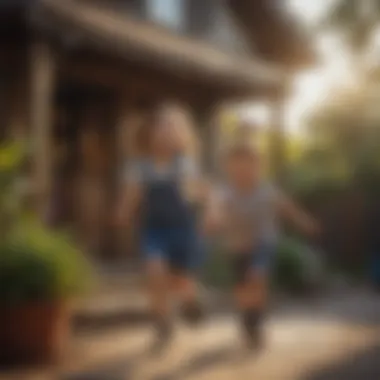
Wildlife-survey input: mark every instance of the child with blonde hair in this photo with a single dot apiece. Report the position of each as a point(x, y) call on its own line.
point(162, 184)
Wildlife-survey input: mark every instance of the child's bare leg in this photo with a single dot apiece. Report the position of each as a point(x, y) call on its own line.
point(158, 286)
point(251, 296)
point(158, 290)
point(253, 292)
point(186, 288)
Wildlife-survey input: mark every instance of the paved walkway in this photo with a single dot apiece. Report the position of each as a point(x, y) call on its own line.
point(337, 338)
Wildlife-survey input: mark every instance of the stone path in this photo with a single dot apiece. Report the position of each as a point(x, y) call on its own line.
point(337, 338)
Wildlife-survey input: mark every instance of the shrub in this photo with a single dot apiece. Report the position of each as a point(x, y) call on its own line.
point(36, 263)
point(298, 267)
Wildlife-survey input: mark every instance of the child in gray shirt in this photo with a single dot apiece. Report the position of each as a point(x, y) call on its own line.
point(247, 210)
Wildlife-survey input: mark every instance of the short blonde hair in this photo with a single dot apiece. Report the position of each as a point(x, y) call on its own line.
point(241, 149)
point(182, 116)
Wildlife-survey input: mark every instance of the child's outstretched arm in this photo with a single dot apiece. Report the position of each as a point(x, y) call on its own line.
point(290, 210)
point(195, 188)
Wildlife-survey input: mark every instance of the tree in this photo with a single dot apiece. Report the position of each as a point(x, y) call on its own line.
point(356, 21)
point(343, 139)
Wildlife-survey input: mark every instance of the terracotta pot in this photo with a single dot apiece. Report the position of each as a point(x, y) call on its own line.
point(34, 332)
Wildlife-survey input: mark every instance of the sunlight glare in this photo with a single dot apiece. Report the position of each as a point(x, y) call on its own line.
point(312, 87)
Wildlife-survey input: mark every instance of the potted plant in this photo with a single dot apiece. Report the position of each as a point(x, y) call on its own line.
point(40, 271)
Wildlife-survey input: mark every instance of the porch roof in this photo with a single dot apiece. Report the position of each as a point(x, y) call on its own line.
point(143, 42)
point(275, 33)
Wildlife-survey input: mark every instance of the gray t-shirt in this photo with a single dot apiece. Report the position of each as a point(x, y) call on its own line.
point(251, 219)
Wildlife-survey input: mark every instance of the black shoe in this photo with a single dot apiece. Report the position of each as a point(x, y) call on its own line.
point(164, 335)
point(255, 340)
point(253, 330)
point(192, 313)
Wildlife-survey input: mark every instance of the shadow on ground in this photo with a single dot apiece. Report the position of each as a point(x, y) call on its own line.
point(125, 368)
point(197, 364)
point(128, 319)
point(359, 308)
point(362, 366)
point(120, 368)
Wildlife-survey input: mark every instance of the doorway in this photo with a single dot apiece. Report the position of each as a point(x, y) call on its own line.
point(84, 166)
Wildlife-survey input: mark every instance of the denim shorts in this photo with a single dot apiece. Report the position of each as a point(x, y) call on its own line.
point(179, 247)
point(258, 260)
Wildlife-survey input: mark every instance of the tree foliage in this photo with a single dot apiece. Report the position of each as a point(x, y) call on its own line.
point(356, 20)
point(342, 149)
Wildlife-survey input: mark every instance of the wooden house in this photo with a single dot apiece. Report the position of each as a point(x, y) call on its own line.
point(76, 73)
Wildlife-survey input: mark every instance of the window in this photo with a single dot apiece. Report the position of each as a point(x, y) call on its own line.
point(170, 13)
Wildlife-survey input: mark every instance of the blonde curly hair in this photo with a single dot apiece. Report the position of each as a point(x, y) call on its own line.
point(188, 143)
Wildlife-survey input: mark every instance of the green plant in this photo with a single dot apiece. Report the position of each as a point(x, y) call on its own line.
point(36, 263)
point(297, 267)
point(217, 272)
point(288, 265)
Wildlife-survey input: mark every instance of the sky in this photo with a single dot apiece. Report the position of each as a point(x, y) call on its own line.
point(312, 86)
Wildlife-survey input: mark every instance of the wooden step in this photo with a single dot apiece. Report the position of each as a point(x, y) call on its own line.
point(118, 296)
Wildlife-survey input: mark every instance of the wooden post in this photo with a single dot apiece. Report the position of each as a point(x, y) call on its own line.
point(278, 139)
point(42, 66)
point(206, 122)
point(128, 121)
point(18, 117)
point(3, 106)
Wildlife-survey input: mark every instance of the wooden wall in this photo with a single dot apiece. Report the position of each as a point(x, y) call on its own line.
point(35, 112)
